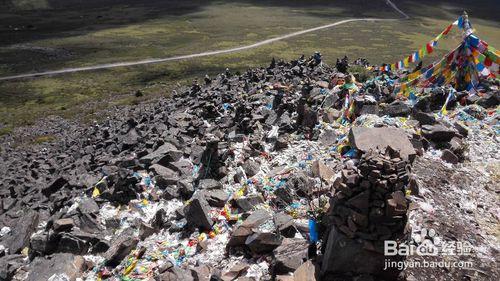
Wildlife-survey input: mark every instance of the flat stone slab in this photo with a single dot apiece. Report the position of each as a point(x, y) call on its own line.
point(366, 139)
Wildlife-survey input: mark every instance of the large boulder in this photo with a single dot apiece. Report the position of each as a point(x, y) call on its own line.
point(162, 155)
point(56, 266)
point(308, 271)
point(122, 187)
point(489, 100)
point(241, 232)
point(328, 138)
point(290, 255)
point(216, 198)
point(345, 255)
point(9, 264)
point(321, 170)
point(285, 224)
point(262, 242)
point(120, 249)
point(251, 168)
point(19, 237)
point(366, 139)
point(247, 203)
point(397, 108)
point(438, 133)
point(54, 186)
point(176, 273)
point(196, 212)
point(424, 118)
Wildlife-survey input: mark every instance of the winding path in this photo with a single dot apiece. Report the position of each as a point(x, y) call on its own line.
point(204, 54)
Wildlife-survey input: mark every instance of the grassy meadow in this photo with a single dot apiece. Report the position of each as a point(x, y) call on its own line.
point(42, 35)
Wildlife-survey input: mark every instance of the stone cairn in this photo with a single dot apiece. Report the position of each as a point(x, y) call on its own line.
point(368, 207)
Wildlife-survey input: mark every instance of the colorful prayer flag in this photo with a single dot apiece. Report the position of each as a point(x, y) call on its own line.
point(429, 48)
point(447, 30)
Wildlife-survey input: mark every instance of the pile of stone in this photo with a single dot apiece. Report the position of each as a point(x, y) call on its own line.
point(370, 200)
point(368, 207)
point(221, 180)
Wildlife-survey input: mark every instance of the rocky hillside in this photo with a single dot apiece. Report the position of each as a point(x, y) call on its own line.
point(260, 176)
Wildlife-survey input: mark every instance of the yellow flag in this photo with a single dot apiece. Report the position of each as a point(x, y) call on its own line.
point(130, 268)
point(443, 110)
point(96, 192)
point(421, 53)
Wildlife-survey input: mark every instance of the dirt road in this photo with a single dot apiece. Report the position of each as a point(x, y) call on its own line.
point(204, 54)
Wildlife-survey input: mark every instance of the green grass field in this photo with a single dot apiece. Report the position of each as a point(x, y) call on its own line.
point(40, 35)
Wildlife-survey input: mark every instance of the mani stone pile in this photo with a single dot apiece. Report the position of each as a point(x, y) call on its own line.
point(368, 208)
point(252, 176)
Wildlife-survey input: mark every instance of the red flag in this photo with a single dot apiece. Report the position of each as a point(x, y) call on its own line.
point(450, 57)
point(429, 47)
point(488, 61)
point(410, 58)
point(447, 30)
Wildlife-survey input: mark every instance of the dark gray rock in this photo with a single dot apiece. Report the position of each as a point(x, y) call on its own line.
point(70, 243)
point(40, 243)
point(9, 264)
point(216, 198)
point(120, 248)
point(19, 237)
point(300, 183)
point(437, 133)
point(424, 118)
point(328, 138)
point(129, 140)
point(186, 189)
point(42, 268)
point(251, 168)
point(88, 206)
point(285, 224)
point(360, 201)
point(489, 100)
point(196, 212)
point(290, 255)
point(369, 109)
point(163, 155)
point(166, 173)
point(247, 203)
point(262, 242)
point(122, 187)
point(145, 231)
point(462, 130)
point(175, 273)
point(397, 109)
point(343, 255)
point(449, 157)
point(209, 184)
point(240, 234)
point(65, 224)
point(170, 191)
point(87, 223)
point(54, 186)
